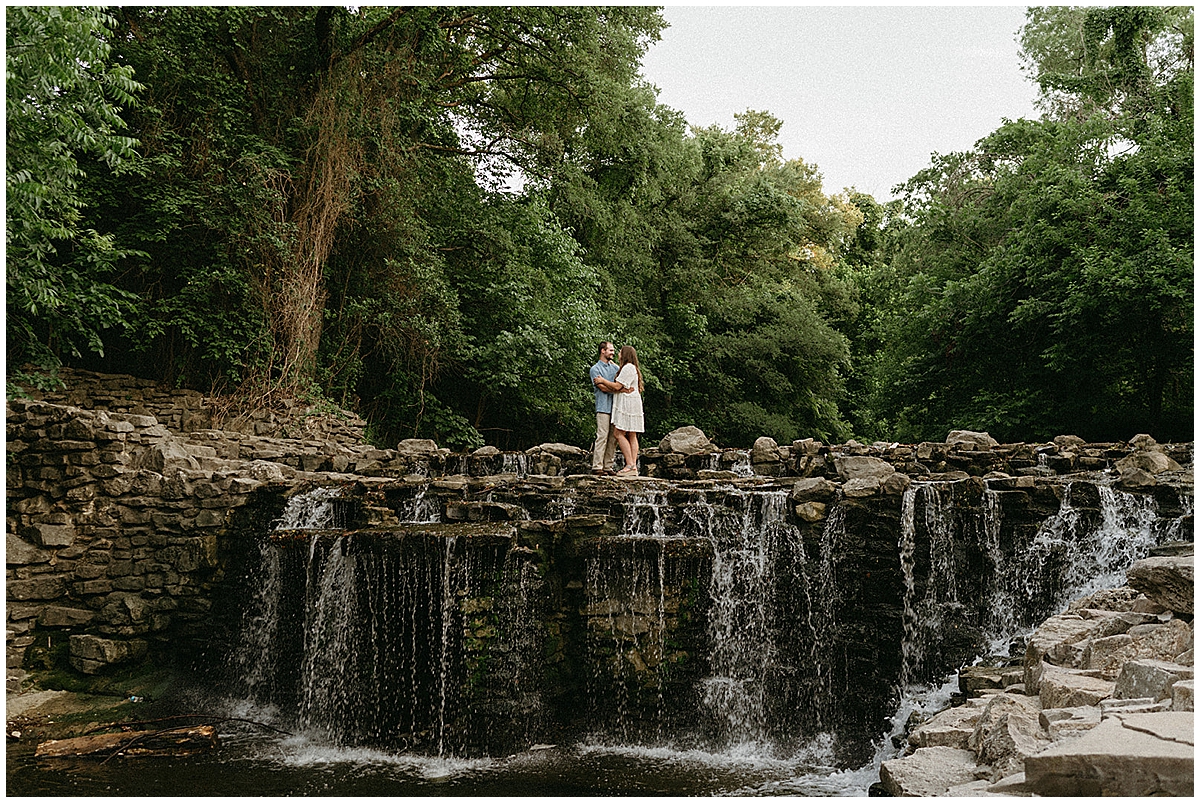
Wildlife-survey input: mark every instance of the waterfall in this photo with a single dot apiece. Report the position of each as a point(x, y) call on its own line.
point(706, 615)
point(643, 514)
point(421, 509)
point(515, 463)
point(311, 510)
point(742, 637)
point(907, 548)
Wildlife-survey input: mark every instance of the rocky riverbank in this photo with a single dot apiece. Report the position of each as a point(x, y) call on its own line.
point(1101, 704)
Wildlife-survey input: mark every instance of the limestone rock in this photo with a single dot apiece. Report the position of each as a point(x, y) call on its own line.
point(558, 450)
point(896, 484)
point(1137, 478)
point(1161, 642)
point(854, 468)
point(1061, 722)
point(51, 535)
point(1183, 695)
point(686, 440)
point(950, 728)
point(971, 441)
point(813, 489)
point(1008, 730)
point(18, 552)
point(860, 487)
point(486, 451)
point(1150, 678)
point(930, 771)
point(1169, 581)
point(812, 511)
point(1060, 687)
point(166, 456)
point(1150, 462)
point(92, 654)
point(1129, 755)
point(265, 471)
point(417, 447)
point(765, 450)
point(1144, 442)
point(1061, 640)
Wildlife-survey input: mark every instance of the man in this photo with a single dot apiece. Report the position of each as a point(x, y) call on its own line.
point(602, 375)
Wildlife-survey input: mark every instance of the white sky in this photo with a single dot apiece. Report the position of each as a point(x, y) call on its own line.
point(866, 93)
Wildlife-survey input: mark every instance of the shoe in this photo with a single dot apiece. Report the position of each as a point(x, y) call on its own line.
point(599, 472)
point(628, 471)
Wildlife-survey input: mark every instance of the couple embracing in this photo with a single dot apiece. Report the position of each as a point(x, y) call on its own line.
point(619, 417)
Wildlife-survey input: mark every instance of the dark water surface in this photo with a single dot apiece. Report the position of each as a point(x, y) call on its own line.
point(250, 764)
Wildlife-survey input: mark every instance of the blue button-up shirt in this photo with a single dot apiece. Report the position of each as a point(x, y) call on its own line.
point(606, 370)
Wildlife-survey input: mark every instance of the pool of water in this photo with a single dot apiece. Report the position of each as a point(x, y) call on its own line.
point(251, 763)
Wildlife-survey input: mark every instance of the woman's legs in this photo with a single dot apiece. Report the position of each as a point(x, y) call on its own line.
point(628, 451)
point(633, 447)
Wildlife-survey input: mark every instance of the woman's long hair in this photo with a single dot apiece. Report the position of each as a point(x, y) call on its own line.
point(629, 355)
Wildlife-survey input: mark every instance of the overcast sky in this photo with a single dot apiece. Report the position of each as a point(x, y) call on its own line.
point(866, 93)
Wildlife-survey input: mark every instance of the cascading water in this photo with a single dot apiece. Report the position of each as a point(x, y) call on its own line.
point(743, 646)
point(709, 620)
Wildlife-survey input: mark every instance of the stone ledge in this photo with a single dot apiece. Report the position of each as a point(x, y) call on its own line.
point(1132, 755)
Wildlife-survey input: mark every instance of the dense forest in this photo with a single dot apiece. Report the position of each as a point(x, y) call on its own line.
point(432, 215)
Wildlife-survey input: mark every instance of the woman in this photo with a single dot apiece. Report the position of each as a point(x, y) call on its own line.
point(627, 418)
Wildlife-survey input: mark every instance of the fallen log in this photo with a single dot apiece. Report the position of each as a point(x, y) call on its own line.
point(171, 742)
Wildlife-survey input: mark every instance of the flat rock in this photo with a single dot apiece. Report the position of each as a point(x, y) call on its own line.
point(930, 771)
point(1128, 755)
point(1065, 688)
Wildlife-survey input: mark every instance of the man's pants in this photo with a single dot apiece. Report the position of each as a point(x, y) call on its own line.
point(605, 448)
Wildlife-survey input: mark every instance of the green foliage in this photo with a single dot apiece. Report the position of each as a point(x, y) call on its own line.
point(1048, 274)
point(63, 123)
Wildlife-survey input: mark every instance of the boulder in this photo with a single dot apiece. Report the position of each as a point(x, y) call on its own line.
point(686, 440)
point(1169, 581)
point(1150, 462)
point(1161, 642)
point(950, 728)
point(971, 441)
point(558, 450)
point(855, 468)
point(764, 450)
point(1061, 640)
point(485, 451)
point(930, 771)
point(1144, 442)
point(1068, 441)
point(417, 447)
point(1150, 678)
point(1135, 478)
point(1127, 755)
point(1007, 732)
point(861, 487)
point(813, 489)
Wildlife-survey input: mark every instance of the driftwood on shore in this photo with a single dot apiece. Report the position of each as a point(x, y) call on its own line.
point(184, 741)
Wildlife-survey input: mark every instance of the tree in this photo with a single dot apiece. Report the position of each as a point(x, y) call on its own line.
point(1049, 272)
point(63, 106)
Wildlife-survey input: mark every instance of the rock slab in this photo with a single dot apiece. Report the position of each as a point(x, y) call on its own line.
point(1127, 755)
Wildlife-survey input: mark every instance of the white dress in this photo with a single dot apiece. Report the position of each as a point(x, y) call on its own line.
point(627, 407)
